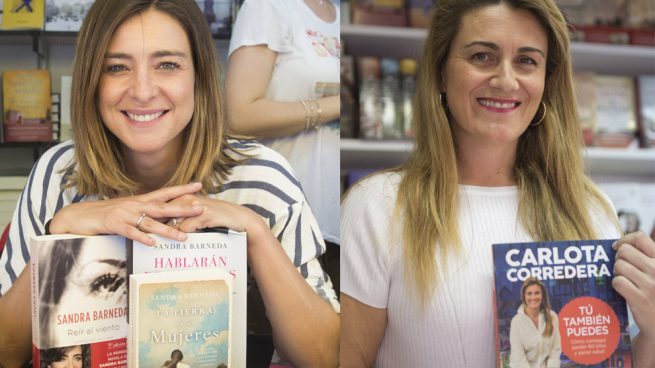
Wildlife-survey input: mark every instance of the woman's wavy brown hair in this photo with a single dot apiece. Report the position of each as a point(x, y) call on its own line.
point(99, 167)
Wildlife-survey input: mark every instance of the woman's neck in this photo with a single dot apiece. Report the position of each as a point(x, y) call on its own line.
point(532, 312)
point(323, 9)
point(150, 170)
point(486, 165)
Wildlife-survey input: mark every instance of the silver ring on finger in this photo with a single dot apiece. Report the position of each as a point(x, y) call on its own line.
point(173, 222)
point(140, 220)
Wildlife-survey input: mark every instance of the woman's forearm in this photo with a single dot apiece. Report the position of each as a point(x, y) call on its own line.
point(15, 319)
point(251, 113)
point(305, 327)
point(269, 119)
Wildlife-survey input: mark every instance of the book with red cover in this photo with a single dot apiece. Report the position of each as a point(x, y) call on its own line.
point(79, 300)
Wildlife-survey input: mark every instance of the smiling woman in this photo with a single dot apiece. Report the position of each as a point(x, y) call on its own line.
point(150, 156)
point(497, 159)
point(534, 332)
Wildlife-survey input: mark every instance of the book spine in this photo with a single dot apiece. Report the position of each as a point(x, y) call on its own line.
point(36, 335)
point(132, 338)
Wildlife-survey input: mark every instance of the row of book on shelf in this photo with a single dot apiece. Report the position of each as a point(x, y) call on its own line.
point(604, 21)
point(106, 301)
point(67, 15)
point(377, 93)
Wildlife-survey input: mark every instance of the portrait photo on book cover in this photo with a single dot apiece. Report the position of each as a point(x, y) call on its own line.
point(76, 356)
point(556, 307)
point(81, 290)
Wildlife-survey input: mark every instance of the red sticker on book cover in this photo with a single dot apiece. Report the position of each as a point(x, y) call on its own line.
point(589, 329)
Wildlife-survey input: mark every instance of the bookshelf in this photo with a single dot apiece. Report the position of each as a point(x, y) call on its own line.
point(361, 154)
point(398, 42)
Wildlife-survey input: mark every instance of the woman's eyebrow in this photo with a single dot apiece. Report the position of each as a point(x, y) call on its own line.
point(113, 262)
point(164, 53)
point(156, 54)
point(494, 46)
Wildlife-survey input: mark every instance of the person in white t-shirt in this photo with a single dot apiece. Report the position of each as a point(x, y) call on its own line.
point(283, 88)
point(534, 332)
point(497, 159)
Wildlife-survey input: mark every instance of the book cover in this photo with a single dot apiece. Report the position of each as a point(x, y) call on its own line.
point(26, 106)
point(371, 106)
point(65, 125)
point(23, 14)
point(79, 300)
point(391, 98)
point(408, 86)
point(634, 204)
point(586, 103)
point(616, 114)
point(224, 250)
point(66, 15)
point(348, 96)
point(180, 317)
point(583, 322)
point(646, 109)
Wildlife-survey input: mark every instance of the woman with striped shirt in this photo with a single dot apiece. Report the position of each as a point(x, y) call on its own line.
point(149, 156)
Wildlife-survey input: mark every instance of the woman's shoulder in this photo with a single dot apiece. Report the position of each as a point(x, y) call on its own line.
point(55, 159)
point(375, 194)
point(263, 168)
point(378, 184)
point(605, 224)
point(249, 151)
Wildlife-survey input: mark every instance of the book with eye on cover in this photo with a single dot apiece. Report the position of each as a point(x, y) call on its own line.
point(587, 323)
point(215, 249)
point(79, 300)
point(180, 317)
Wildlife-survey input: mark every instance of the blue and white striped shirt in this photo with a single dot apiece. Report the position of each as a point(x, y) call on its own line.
point(265, 183)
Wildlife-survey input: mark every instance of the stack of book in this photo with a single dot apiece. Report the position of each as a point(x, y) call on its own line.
point(107, 301)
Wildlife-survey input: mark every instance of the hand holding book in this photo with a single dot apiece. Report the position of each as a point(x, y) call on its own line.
point(635, 280)
point(132, 217)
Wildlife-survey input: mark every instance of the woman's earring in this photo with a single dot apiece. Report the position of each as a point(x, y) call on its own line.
point(543, 116)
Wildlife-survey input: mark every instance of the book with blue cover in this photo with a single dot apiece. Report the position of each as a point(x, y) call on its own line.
point(180, 318)
point(218, 250)
point(555, 305)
